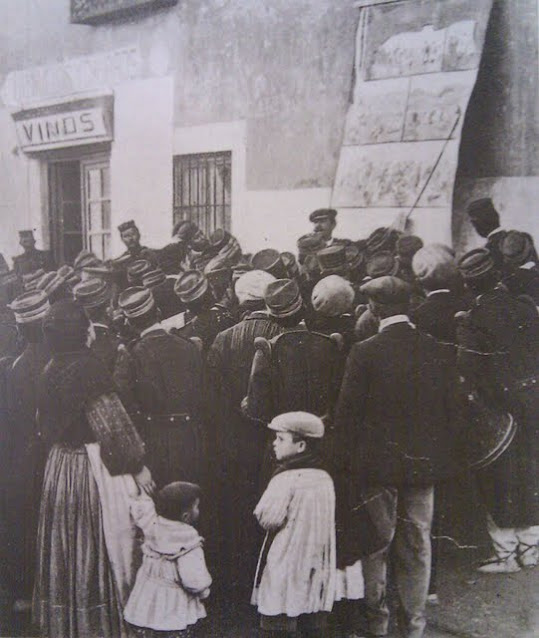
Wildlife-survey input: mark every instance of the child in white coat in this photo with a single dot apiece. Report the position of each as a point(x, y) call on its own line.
point(295, 582)
point(166, 600)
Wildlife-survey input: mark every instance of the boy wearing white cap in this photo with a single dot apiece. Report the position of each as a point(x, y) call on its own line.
point(295, 582)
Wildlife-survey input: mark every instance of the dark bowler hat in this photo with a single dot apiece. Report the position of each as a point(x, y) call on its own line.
point(190, 286)
point(30, 306)
point(323, 213)
point(387, 290)
point(381, 264)
point(153, 278)
point(332, 259)
point(92, 293)
point(517, 248)
point(127, 225)
point(476, 263)
point(23, 234)
point(408, 245)
point(283, 298)
point(382, 239)
point(136, 302)
point(137, 270)
point(270, 261)
point(184, 229)
point(31, 279)
point(86, 258)
point(483, 209)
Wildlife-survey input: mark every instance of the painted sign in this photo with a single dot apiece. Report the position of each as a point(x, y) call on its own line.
point(62, 129)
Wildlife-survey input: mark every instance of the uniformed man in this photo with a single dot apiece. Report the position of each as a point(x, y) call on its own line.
point(130, 235)
point(95, 297)
point(159, 379)
point(499, 357)
point(238, 446)
point(486, 222)
point(205, 318)
point(31, 259)
point(520, 261)
point(25, 460)
point(324, 221)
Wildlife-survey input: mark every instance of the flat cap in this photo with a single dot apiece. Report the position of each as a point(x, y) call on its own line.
point(30, 306)
point(252, 285)
point(517, 248)
point(191, 285)
point(270, 261)
point(476, 263)
point(137, 270)
point(323, 213)
point(482, 208)
point(127, 225)
point(333, 296)
point(283, 298)
point(435, 262)
point(387, 290)
point(136, 302)
point(300, 423)
point(92, 293)
point(153, 278)
point(332, 259)
point(381, 264)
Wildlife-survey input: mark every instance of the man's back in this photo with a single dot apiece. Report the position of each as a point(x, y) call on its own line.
point(397, 401)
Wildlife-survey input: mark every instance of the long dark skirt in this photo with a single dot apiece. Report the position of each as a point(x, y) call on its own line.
point(74, 594)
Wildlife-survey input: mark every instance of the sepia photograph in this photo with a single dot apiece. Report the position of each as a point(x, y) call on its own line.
point(269, 318)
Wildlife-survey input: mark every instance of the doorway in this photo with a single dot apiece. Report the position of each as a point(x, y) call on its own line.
point(79, 205)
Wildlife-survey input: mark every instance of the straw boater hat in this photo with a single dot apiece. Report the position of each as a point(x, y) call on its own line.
point(270, 261)
point(283, 298)
point(92, 293)
point(191, 286)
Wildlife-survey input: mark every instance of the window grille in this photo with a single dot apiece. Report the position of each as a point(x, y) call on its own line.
point(202, 190)
point(96, 11)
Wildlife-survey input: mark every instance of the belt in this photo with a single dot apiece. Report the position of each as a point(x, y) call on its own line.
point(165, 418)
point(524, 384)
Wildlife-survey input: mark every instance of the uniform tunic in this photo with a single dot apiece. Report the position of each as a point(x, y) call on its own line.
point(31, 261)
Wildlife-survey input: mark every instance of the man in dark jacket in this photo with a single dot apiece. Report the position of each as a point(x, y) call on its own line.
point(95, 297)
point(486, 221)
point(31, 259)
point(498, 357)
point(159, 379)
point(130, 235)
point(393, 421)
point(520, 259)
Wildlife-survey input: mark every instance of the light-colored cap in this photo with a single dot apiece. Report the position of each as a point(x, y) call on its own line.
point(252, 285)
point(300, 423)
point(333, 296)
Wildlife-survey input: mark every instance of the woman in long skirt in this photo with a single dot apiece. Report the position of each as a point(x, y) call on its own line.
point(86, 542)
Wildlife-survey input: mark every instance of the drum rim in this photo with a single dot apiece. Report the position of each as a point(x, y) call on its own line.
point(500, 449)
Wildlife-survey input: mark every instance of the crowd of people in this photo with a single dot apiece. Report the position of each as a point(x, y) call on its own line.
point(296, 411)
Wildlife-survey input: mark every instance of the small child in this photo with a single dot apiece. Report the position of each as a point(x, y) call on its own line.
point(295, 588)
point(173, 578)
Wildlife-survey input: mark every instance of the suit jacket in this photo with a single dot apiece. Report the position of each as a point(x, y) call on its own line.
point(523, 281)
point(394, 419)
point(436, 315)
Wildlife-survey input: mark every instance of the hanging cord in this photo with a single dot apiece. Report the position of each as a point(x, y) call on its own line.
point(427, 181)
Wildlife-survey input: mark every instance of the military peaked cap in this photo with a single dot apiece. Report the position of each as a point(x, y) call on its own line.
point(323, 213)
point(283, 298)
point(476, 263)
point(92, 293)
point(127, 225)
point(387, 290)
point(136, 302)
point(270, 261)
point(23, 234)
point(30, 306)
point(191, 285)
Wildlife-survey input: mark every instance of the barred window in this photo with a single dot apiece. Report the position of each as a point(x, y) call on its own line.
point(97, 11)
point(202, 189)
